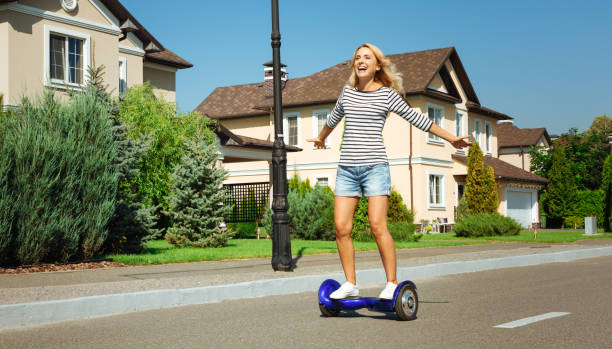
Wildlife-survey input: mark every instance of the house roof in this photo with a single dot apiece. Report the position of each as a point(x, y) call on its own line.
point(229, 138)
point(164, 56)
point(418, 70)
point(506, 171)
point(509, 135)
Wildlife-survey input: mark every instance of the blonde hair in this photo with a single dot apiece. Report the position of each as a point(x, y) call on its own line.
point(387, 75)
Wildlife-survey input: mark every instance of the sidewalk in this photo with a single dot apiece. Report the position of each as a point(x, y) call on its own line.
point(77, 294)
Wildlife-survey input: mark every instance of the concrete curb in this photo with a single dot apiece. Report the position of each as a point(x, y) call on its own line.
point(14, 315)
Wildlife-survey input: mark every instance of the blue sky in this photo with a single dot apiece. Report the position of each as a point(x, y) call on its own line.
point(545, 63)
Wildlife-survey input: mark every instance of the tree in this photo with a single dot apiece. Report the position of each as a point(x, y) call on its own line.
point(149, 116)
point(601, 125)
point(561, 197)
point(606, 186)
point(480, 185)
point(196, 199)
point(131, 224)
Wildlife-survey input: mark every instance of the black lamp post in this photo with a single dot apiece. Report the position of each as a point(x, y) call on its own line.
point(281, 243)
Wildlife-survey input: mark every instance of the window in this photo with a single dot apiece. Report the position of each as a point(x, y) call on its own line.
point(488, 136)
point(436, 190)
point(322, 181)
point(435, 114)
point(460, 191)
point(477, 131)
point(459, 130)
point(319, 118)
point(291, 129)
point(122, 75)
point(66, 57)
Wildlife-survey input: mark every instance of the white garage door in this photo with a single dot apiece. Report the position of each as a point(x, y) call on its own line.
point(519, 207)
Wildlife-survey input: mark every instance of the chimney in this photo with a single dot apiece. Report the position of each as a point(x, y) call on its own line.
point(269, 78)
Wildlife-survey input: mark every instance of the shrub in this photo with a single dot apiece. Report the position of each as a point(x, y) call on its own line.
point(462, 209)
point(63, 179)
point(486, 224)
point(397, 211)
point(311, 214)
point(591, 204)
point(574, 222)
point(196, 202)
point(244, 230)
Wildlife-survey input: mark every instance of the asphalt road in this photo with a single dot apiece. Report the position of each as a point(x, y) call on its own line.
point(459, 311)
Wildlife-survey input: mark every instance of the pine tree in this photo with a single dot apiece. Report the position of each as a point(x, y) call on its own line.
point(480, 186)
point(196, 199)
point(606, 186)
point(562, 194)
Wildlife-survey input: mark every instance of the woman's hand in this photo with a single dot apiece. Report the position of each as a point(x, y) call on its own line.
point(460, 142)
point(318, 142)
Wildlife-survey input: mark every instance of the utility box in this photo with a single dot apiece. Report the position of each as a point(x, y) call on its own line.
point(590, 225)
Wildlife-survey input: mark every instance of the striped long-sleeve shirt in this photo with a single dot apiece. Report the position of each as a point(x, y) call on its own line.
point(366, 113)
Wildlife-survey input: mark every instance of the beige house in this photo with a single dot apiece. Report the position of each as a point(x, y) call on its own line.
point(515, 143)
point(50, 43)
point(427, 172)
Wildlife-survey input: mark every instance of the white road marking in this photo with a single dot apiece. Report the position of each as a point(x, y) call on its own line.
point(529, 320)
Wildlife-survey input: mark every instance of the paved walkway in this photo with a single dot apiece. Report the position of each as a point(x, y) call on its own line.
point(109, 291)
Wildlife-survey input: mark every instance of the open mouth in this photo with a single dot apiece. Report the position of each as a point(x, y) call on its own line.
point(362, 68)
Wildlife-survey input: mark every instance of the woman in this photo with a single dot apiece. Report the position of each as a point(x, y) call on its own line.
point(375, 89)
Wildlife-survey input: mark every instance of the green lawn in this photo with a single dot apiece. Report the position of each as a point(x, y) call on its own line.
point(161, 252)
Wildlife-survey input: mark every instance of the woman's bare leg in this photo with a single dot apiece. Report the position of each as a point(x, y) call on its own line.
point(344, 209)
point(377, 215)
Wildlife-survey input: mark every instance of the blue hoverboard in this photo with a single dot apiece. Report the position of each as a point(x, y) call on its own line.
point(405, 302)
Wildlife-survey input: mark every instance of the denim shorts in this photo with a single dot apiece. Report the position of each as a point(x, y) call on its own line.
point(369, 180)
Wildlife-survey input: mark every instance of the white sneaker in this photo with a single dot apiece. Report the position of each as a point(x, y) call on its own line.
point(346, 290)
point(388, 291)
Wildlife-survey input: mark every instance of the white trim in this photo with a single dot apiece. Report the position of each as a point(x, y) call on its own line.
point(334, 165)
point(461, 107)
point(105, 12)
point(442, 204)
point(431, 138)
point(48, 30)
point(136, 41)
point(286, 128)
point(131, 51)
point(489, 141)
point(315, 124)
point(534, 199)
point(14, 6)
point(254, 154)
point(421, 161)
point(159, 67)
point(463, 115)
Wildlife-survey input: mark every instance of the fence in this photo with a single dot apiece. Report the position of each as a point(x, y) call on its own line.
point(249, 200)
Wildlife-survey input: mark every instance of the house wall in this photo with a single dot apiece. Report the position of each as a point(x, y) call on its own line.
point(514, 157)
point(85, 10)
point(26, 56)
point(163, 79)
point(134, 70)
point(4, 58)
